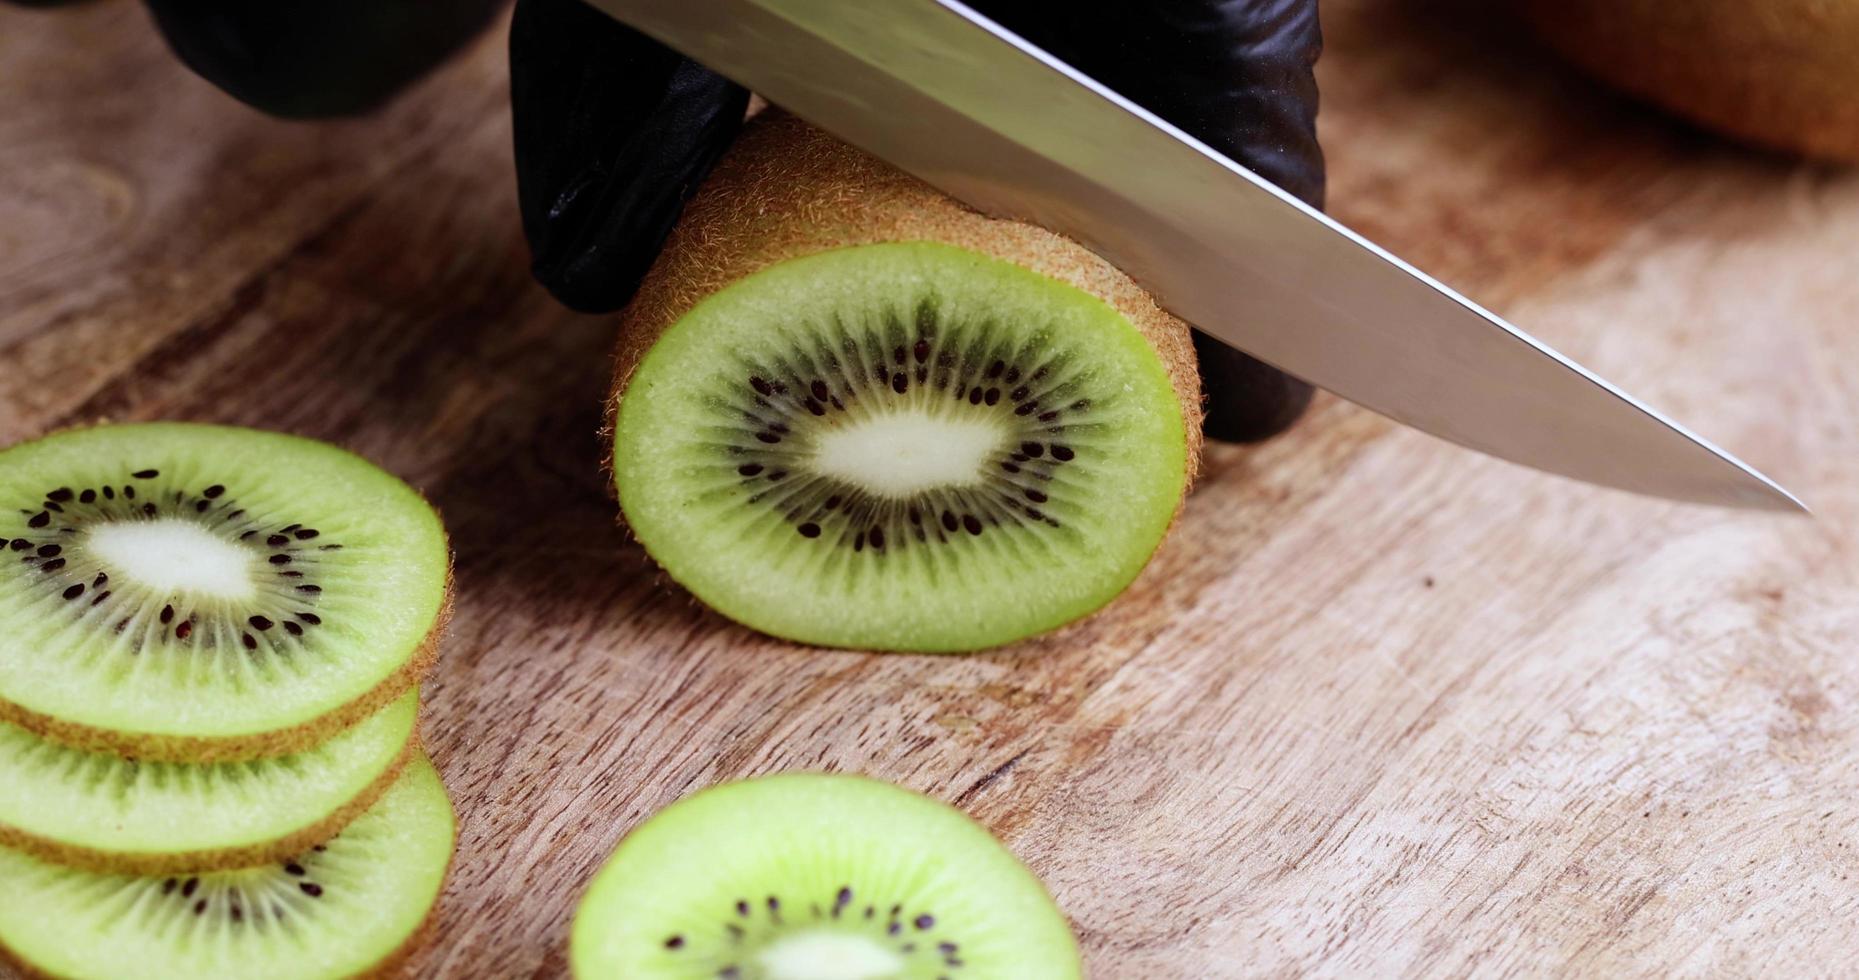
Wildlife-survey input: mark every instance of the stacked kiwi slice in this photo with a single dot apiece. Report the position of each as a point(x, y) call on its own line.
point(807, 876)
point(852, 412)
point(210, 639)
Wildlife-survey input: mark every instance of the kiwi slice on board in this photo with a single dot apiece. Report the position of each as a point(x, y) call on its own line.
point(807, 876)
point(200, 593)
point(106, 813)
point(852, 412)
point(341, 908)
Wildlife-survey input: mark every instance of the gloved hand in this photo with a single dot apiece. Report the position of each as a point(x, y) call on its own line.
point(614, 133)
point(309, 59)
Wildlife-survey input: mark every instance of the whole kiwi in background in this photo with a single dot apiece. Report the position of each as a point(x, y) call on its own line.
point(1779, 73)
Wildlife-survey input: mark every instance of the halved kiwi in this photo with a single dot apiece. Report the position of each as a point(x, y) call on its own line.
point(106, 813)
point(203, 593)
point(855, 413)
point(338, 909)
point(817, 877)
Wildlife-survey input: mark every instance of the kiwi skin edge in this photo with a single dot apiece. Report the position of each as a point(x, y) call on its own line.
point(241, 748)
point(389, 965)
point(221, 859)
point(787, 189)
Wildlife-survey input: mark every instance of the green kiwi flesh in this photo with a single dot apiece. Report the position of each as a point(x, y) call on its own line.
point(817, 877)
point(901, 446)
point(107, 813)
point(198, 593)
point(339, 909)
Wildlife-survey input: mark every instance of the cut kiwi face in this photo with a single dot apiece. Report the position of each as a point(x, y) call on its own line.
point(817, 877)
point(338, 909)
point(106, 813)
point(906, 446)
point(203, 593)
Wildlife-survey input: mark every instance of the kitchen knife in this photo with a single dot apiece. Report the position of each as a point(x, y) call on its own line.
point(942, 92)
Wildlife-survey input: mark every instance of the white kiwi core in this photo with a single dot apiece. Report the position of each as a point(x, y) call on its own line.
point(176, 557)
point(823, 954)
point(900, 454)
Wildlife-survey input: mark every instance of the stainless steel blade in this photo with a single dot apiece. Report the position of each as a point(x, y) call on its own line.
point(943, 93)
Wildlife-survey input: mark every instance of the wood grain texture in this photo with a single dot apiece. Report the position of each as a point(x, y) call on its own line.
point(1379, 706)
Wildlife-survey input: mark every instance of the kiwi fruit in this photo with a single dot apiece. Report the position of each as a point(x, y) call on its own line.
point(1780, 73)
point(852, 412)
point(340, 908)
point(200, 593)
point(808, 876)
point(106, 813)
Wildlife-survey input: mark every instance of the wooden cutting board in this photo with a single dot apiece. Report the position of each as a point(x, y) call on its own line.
point(1380, 705)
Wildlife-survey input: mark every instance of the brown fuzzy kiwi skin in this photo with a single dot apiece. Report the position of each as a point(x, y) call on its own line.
point(1780, 73)
point(787, 189)
point(224, 859)
point(242, 748)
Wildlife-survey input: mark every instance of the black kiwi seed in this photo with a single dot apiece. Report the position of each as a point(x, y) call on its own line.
point(213, 492)
point(146, 474)
point(60, 495)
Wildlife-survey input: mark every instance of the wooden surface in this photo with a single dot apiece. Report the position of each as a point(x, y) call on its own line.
point(1380, 705)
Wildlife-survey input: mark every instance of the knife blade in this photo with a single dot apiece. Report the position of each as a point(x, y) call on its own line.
point(940, 91)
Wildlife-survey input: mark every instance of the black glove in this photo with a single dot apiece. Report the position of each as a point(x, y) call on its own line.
point(614, 133)
point(316, 58)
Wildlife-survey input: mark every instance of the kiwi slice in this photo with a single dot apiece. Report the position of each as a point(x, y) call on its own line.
point(807, 876)
point(338, 909)
point(201, 593)
point(893, 423)
point(107, 813)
